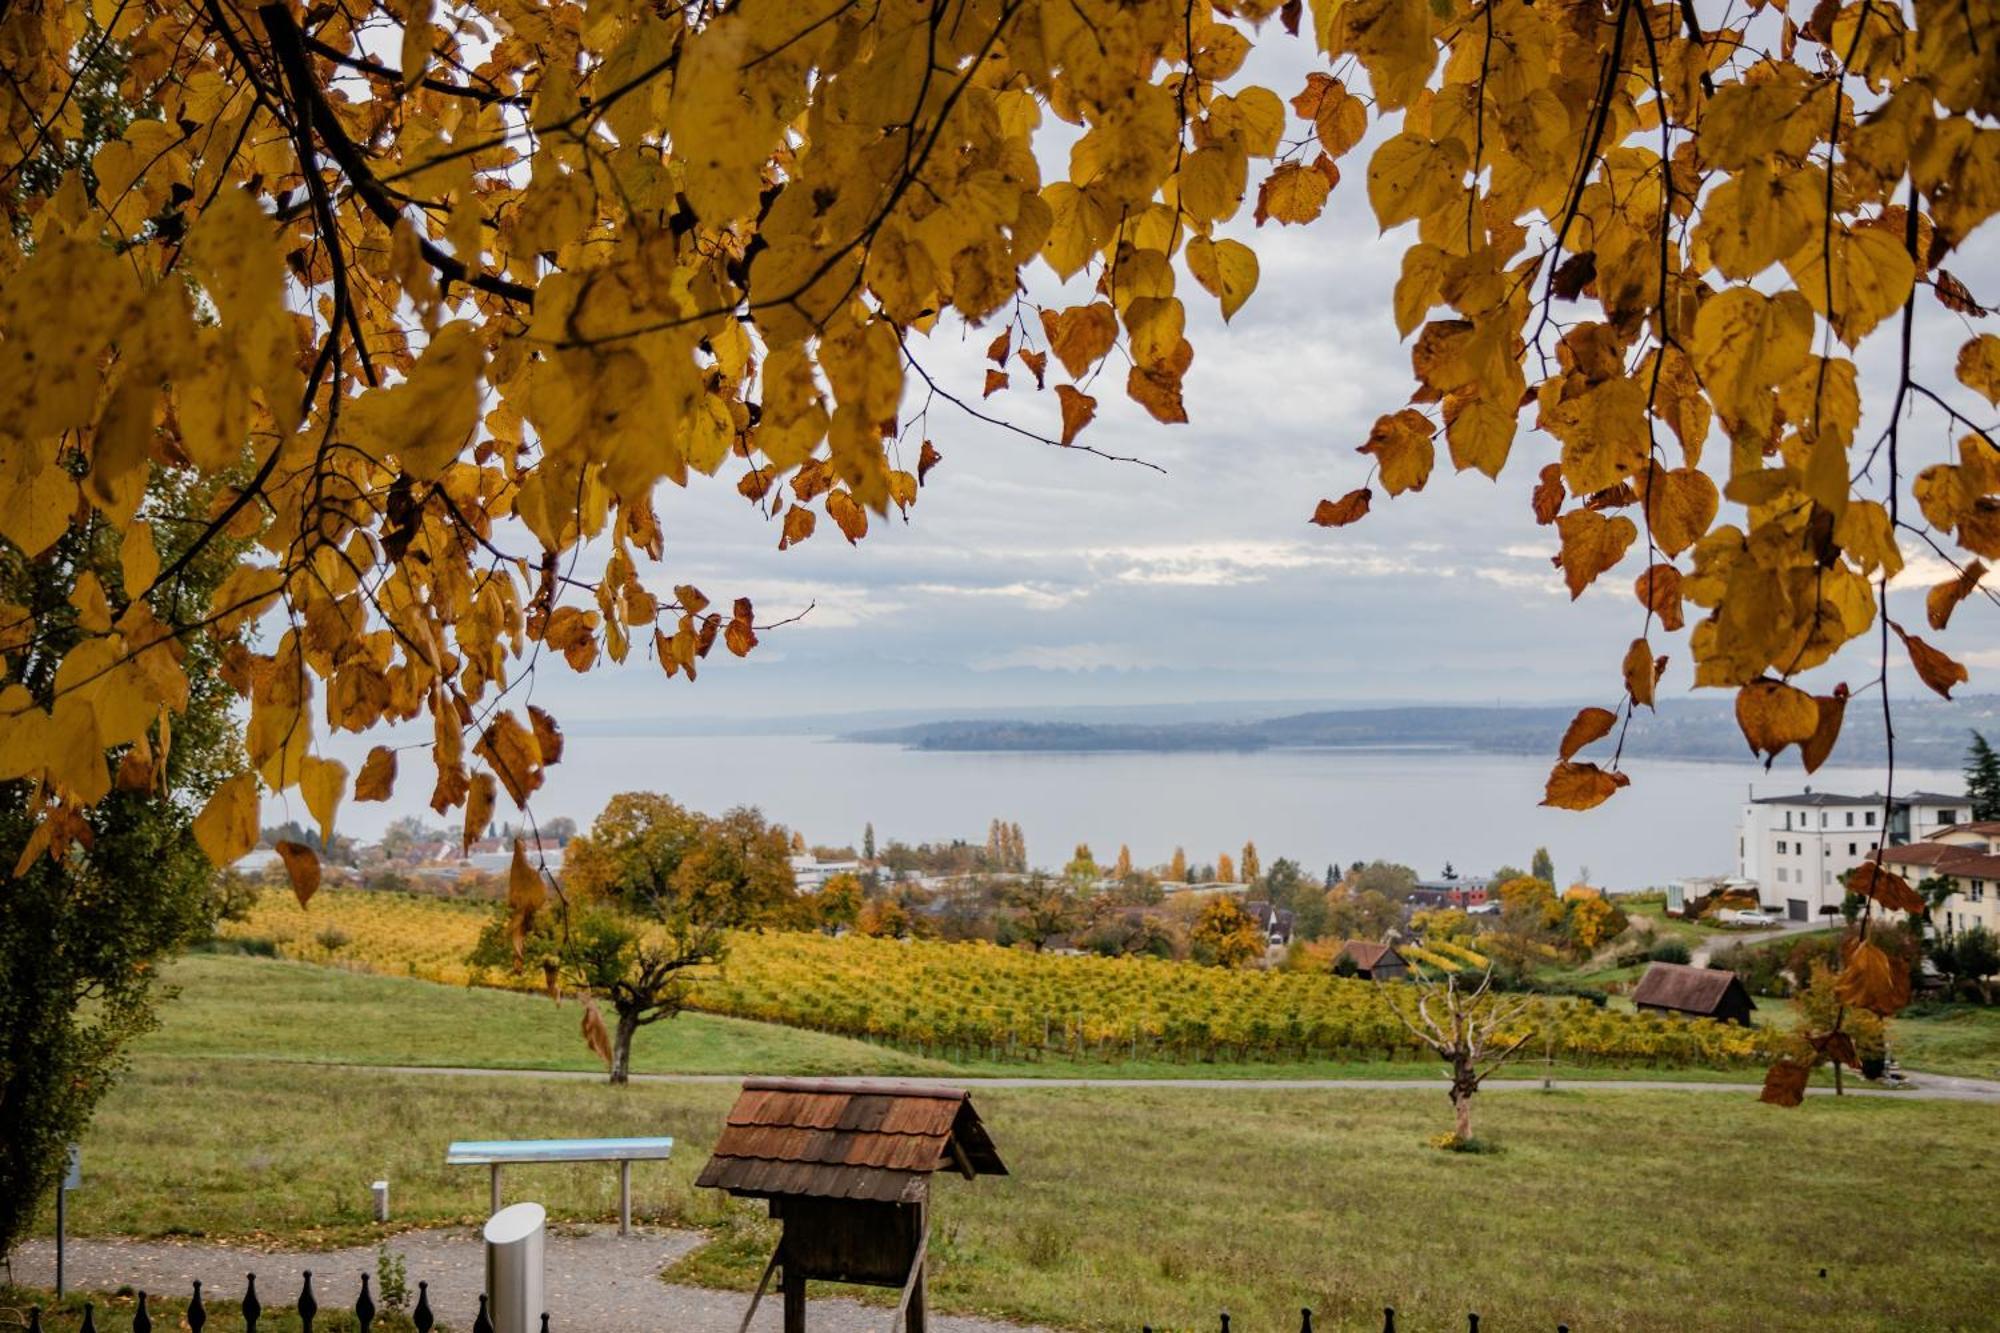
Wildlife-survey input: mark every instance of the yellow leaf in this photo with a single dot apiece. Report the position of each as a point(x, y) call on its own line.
point(479, 795)
point(302, 866)
point(322, 782)
point(548, 736)
point(1934, 668)
point(1403, 450)
point(1225, 269)
point(138, 561)
point(1349, 508)
point(1480, 433)
point(1410, 176)
point(1292, 193)
point(1872, 275)
point(1591, 544)
point(378, 775)
point(1772, 715)
point(1679, 506)
point(1979, 366)
point(226, 828)
point(1077, 410)
point(1081, 335)
point(1813, 751)
point(1745, 343)
point(1575, 786)
point(1589, 725)
point(1870, 979)
point(852, 518)
point(1641, 673)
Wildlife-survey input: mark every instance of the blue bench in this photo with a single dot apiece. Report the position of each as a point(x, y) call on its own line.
point(497, 1153)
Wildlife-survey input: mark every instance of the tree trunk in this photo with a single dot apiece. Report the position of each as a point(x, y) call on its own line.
point(1839, 1089)
point(621, 1047)
point(1464, 1082)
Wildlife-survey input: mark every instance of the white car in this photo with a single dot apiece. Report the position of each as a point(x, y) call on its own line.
point(1746, 917)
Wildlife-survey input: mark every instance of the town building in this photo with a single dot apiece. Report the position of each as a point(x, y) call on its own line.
point(1968, 855)
point(1697, 992)
point(1798, 849)
point(1275, 922)
point(811, 874)
point(1464, 893)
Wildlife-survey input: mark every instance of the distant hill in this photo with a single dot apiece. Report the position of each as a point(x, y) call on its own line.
point(1929, 733)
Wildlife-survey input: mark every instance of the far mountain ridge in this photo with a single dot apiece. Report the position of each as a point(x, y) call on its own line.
point(1929, 734)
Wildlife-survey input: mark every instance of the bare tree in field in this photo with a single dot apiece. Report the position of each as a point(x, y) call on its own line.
point(1467, 1029)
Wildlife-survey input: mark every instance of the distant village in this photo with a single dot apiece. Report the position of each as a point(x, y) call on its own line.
point(1674, 947)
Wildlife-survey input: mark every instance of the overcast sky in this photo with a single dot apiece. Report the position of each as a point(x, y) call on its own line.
point(1030, 575)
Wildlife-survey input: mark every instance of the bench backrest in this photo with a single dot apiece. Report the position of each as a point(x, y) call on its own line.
point(481, 1153)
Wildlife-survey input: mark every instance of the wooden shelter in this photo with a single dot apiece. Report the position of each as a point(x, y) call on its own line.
point(1375, 962)
point(1699, 992)
point(846, 1165)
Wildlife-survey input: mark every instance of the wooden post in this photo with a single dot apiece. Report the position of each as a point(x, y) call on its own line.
point(793, 1285)
point(625, 1197)
point(913, 1320)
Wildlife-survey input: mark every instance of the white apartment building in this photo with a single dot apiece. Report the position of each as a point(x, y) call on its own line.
point(1798, 849)
point(1969, 856)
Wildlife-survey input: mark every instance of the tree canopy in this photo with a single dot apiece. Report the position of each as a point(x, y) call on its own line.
point(433, 326)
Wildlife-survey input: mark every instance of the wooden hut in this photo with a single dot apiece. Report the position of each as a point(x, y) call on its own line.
point(1375, 962)
point(1699, 992)
point(846, 1165)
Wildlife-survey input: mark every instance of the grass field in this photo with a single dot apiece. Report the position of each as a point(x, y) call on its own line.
point(1951, 1039)
point(1601, 1210)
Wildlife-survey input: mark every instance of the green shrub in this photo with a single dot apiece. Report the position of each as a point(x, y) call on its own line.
point(1669, 951)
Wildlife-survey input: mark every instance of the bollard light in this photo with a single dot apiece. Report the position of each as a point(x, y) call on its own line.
point(381, 1189)
point(515, 1268)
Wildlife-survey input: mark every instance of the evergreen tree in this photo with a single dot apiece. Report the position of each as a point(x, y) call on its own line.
point(1982, 779)
point(1543, 866)
point(868, 842)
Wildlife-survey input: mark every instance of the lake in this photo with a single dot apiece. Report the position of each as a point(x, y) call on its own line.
point(1423, 808)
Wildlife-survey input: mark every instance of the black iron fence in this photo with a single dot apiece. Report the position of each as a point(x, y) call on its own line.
point(251, 1309)
point(423, 1318)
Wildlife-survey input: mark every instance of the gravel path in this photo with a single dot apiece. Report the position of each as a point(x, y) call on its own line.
point(1920, 1087)
point(597, 1283)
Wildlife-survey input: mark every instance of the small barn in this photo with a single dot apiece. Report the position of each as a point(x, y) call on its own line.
point(1375, 962)
point(1698, 992)
point(846, 1164)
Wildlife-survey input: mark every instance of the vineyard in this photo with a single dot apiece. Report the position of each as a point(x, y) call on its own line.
point(981, 1001)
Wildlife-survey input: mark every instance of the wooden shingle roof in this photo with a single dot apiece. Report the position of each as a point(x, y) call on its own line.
point(1694, 990)
point(875, 1139)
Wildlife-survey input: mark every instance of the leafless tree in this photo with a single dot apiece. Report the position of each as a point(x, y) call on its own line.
point(1467, 1029)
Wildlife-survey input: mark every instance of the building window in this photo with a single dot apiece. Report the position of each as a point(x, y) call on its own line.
point(1850, 819)
point(1947, 816)
point(1853, 848)
point(1979, 890)
point(1822, 819)
point(1782, 847)
point(1788, 819)
point(1870, 817)
point(1783, 874)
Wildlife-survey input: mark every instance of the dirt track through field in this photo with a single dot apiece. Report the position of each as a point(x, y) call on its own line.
point(598, 1282)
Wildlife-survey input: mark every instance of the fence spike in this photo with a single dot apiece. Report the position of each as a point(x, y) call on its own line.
point(545, 1321)
point(308, 1305)
point(480, 1323)
point(1472, 1323)
point(89, 1319)
point(142, 1318)
point(252, 1307)
point(197, 1314)
point(1225, 1321)
point(422, 1317)
point(364, 1306)
point(1305, 1320)
point(34, 1319)
point(1388, 1319)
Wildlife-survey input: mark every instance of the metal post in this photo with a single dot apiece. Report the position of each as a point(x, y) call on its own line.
point(515, 1268)
point(625, 1198)
point(381, 1191)
point(493, 1195)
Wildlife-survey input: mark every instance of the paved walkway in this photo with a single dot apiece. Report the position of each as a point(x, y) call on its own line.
point(1920, 1087)
point(597, 1282)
